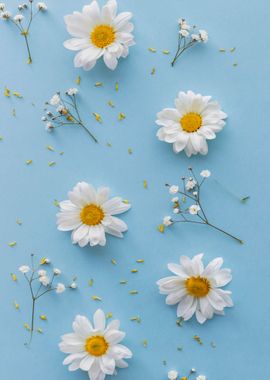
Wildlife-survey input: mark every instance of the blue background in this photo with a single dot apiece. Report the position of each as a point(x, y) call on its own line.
point(239, 158)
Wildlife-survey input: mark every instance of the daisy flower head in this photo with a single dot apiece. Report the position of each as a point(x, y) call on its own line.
point(89, 214)
point(94, 347)
point(196, 289)
point(194, 120)
point(99, 33)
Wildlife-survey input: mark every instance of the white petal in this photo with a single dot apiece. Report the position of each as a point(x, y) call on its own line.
point(86, 363)
point(102, 194)
point(121, 19)
point(99, 320)
point(184, 305)
point(76, 44)
point(82, 326)
point(213, 267)
point(87, 56)
point(114, 336)
point(115, 206)
point(107, 364)
point(110, 60)
point(92, 11)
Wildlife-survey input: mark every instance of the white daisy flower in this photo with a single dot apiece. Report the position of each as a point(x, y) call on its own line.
point(95, 348)
point(89, 214)
point(55, 100)
point(196, 289)
point(205, 173)
point(99, 33)
point(60, 288)
point(195, 120)
point(172, 375)
point(24, 269)
point(2, 6)
point(194, 209)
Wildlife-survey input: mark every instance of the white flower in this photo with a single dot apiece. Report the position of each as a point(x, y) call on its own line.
point(49, 127)
point(94, 347)
point(175, 199)
point(196, 289)
point(73, 285)
point(57, 271)
point(172, 375)
point(203, 35)
point(42, 272)
point(195, 37)
point(42, 6)
point(60, 288)
point(201, 377)
point(44, 280)
point(99, 33)
point(195, 193)
point(18, 18)
point(173, 189)
point(6, 15)
point(190, 184)
point(176, 210)
point(55, 100)
point(89, 214)
point(24, 269)
point(184, 32)
point(195, 120)
point(167, 221)
point(72, 91)
point(2, 6)
point(205, 173)
point(194, 209)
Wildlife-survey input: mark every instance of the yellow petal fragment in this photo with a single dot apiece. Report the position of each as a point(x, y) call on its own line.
point(17, 94)
point(97, 117)
point(121, 116)
point(96, 298)
point(39, 330)
point(153, 71)
point(51, 148)
point(161, 228)
point(134, 271)
point(27, 327)
point(111, 104)
point(16, 305)
point(7, 92)
point(28, 162)
point(222, 50)
point(152, 50)
point(130, 151)
point(123, 282)
point(165, 51)
point(109, 315)
point(52, 163)
point(133, 292)
point(91, 282)
point(232, 49)
point(113, 261)
point(98, 84)
point(198, 339)
point(116, 86)
point(145, 184)
point(13, 276)
point(19, 222)
point(78, 80)
point(140, 261)
point(12, 244)
point(43, 317)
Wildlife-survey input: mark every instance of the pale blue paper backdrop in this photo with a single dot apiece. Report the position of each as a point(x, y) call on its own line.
point(239, 158)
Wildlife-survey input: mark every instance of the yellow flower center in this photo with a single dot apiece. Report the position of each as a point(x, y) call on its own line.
point(197, 286)
point(191, 122)
point(96, 345)
point(92, 215)
point(102, 35)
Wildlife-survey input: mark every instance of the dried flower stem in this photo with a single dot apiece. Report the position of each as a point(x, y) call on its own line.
point(201, 215)
point(182, 47)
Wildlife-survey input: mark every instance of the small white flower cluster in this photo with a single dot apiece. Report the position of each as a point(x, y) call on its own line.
point(191, 186)
point(173, 375)
point(63, 111)
point(185, 30)
point(188, 36)
point(42, 6)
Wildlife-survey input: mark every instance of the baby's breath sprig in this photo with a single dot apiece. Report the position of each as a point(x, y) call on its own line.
point(19, 20)
point(40, 283)
point(188, 37)
point(67, 112)
point(174, 375)
point(194, 212)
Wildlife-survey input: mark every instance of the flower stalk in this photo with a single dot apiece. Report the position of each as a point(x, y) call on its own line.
point(187, 37)
point(195, 213)
point(67, 112)
point(24, 26)
point(40, 284)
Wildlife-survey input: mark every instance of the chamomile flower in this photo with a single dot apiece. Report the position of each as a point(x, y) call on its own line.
point(99, 33)
point(195, 120)
point(89, 214)
point(172, 375)
point(196, 289)
point(95, 348)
